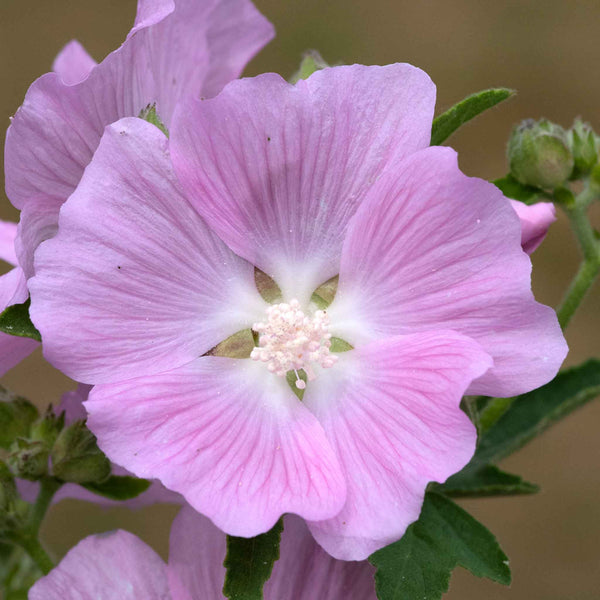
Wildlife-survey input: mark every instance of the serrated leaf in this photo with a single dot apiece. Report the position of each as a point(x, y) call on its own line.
point(15, 320)
point(511, 188)
point(530, 414)
point(447, 123)
point(249, 563)
point(119, 487)
point(420, 564)
point(488, 480)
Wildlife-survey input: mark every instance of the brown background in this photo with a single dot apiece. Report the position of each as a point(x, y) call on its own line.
point(549, 52)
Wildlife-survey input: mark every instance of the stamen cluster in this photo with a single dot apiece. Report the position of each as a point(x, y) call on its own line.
point(291, 340)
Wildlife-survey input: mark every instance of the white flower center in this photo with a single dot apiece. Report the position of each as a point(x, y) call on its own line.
point(291, 340)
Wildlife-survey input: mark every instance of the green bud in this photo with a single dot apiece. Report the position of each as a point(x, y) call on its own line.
point(584, 147)
point(539, 154)
point(28, 459)
point(312, 61)
point(16, 417)
point(47, 428)
point(76, 456)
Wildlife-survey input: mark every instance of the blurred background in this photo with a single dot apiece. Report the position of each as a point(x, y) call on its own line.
point(547, 51)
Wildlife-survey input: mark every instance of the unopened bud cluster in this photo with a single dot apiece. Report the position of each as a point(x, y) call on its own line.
point(291, 340)
point(542, 154)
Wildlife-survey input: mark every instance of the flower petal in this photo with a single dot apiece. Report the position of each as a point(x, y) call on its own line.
point(196, 553)
point(135, 283)
point(73, 63)
point(38, 223)
point(8, 233)
point(177, 50)
point(278, 170)
point(109, 566)
point(304, 571)
point(535, 221)
point(391, 411)
point(226, 434)
point(433, 249)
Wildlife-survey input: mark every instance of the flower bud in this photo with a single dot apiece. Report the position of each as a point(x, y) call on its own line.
point(47, 428)
point(584, 148)
point(76, 456)
point(16, 417)
point(539, 154)
point(28, 459)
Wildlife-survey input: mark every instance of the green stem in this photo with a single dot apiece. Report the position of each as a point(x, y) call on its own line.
point(32, 546)
point(27, 536)
point(590, 248)
point(48, 487)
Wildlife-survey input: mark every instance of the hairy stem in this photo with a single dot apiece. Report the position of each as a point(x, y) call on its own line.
point(590, 249)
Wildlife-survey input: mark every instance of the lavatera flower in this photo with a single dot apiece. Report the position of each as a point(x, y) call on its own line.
point(119, 566)
point(329, 177)
point(176, 48)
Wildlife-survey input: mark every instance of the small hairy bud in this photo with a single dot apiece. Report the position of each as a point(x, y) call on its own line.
point(539, 154)
point(584, 147)
point(16, 417)
point(76, 456)
point(29, 459)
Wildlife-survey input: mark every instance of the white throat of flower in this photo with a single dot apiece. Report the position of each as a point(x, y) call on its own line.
point(291, 340)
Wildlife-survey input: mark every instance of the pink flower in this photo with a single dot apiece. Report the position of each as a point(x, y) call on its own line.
point(535, 221)
point(13, 290)
point(331, 176)
point(177, 48)
point(72, 405)
point(118, 565)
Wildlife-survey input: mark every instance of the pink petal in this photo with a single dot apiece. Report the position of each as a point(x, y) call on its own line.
point(281, 189)
point(433, 249)
point(8, 233)
point(304, 571)
point(201, 47)
point(73, 63)
point(535, 221)
point(226, 434)
point(196, 553)
point(174, 50)
point(391, 411)
point(109, 566)
point(135, 283)
point(38, 223)
point(13, 349)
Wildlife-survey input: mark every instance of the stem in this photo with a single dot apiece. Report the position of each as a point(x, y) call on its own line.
point(32, 546)
point(27, 536)
point(48, 487)
point(590, 248)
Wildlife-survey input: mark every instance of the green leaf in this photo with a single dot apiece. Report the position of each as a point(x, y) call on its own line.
point(532, 413)
point(447, 123)
point(15, 321)
point(488, 480)
point(149, 114)
point(249, 563)
point(119, 487)
point(419, 565)
point(511, 188)
point(312, 61)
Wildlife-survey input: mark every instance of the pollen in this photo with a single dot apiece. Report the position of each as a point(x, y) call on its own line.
point(291, 340)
